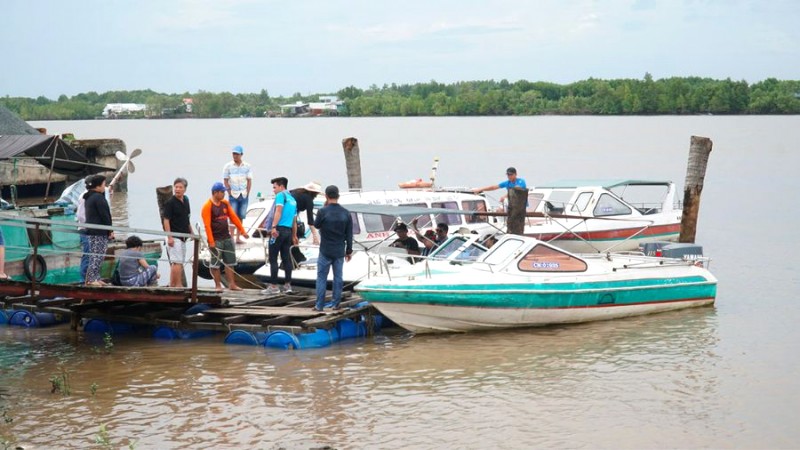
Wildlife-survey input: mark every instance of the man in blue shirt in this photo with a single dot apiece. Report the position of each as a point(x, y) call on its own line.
point(512, 182)
point(282, 236)
point(336, 246)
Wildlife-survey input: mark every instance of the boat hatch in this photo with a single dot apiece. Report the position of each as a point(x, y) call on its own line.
point(543, 258)
point(503, 250)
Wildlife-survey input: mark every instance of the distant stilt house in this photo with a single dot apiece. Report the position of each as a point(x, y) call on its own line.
point(328, 105)
point(124, 110)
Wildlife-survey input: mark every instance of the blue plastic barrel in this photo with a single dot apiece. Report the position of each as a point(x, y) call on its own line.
point(105, 326)
point(318, 339)
point(4, 316)
point(349, 329)
point(33, 320)
point(164, 332)
point(197, 309)
point(281, 339)
point(241, 337)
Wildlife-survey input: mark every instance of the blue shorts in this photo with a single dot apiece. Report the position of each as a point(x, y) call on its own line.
point(2, 241)
point(239, 205)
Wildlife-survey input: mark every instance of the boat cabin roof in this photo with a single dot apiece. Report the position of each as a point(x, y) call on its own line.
point(605, 183)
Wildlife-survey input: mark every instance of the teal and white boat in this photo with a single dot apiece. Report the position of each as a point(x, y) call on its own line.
point(522, 282)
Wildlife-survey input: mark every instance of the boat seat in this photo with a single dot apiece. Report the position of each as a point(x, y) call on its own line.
point(551, 209)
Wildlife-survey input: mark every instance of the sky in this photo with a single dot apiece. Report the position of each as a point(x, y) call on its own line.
point(55, 47)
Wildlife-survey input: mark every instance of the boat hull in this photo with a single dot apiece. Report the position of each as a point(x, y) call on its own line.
point(427, 318)
point(449, 307)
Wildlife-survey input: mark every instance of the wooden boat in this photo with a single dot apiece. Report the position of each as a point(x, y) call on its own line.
point(53, 231)
point(523, 282)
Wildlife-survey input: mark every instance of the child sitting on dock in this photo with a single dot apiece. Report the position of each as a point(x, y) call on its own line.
point(133, 268)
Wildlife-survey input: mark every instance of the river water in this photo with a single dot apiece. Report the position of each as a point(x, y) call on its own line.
point(721, 377)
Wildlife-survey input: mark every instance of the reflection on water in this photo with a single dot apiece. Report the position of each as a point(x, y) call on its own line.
point(532, 386)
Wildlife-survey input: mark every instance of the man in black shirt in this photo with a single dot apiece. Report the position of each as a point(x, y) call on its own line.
point(336, 246)
point(405, 241)
point(176, 220)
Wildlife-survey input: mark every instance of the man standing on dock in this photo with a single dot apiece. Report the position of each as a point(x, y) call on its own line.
point(217, 213)
point(336, 246)
point(176, 220)
point(238, 178)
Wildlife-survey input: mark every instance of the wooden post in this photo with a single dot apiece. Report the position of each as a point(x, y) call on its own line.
point(699, 150)
point(352, 158)
point(517, 199)
point(195, 267)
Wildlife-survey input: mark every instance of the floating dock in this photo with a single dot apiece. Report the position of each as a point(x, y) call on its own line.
point(248, 316)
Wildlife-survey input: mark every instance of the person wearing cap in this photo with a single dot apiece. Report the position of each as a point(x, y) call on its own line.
point(304, 196)
point(335, 227)
point(513, 181)
point(238, 178)
point(405, 241)
point(218, 214)
point(283, 234)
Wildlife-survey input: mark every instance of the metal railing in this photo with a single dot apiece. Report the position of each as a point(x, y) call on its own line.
point(39, 225)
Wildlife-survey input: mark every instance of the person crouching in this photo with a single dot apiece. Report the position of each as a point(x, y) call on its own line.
point(133, 268)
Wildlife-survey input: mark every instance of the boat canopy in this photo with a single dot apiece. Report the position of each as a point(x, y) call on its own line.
point(605, 183)
point(50, 151)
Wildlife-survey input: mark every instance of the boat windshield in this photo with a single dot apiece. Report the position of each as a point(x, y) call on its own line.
point(502, 251)
point(454, 249)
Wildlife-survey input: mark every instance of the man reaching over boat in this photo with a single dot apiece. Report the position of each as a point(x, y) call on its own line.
point(217, 213)
point(512, 182)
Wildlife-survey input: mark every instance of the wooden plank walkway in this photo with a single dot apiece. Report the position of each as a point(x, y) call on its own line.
point(248, 309)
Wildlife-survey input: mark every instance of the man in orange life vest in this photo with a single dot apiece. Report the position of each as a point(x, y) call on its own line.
point(216, 213)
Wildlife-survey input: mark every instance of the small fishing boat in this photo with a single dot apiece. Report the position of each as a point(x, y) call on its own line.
point(523, 282)
point(52, 230)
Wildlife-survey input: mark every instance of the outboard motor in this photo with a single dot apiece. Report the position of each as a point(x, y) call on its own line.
point(685, 251)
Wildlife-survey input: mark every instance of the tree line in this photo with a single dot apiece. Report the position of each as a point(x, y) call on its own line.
point(676, 95)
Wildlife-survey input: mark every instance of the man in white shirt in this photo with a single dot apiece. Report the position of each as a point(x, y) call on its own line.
point(238, 178)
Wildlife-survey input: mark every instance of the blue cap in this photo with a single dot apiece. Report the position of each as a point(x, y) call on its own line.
point(238, 150)
point(218, 187)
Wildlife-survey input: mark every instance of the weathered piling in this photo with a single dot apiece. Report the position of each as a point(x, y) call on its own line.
point(352, 157)
point(699, 151)
point(517, 199)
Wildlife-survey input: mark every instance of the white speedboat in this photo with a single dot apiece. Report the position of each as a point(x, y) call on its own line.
point(373, 215)
point(523, 282)
point(460, 247)
point(603, 215)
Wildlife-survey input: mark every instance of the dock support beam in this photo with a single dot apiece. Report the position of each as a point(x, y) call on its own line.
point(699, 151)
point(352, 158)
